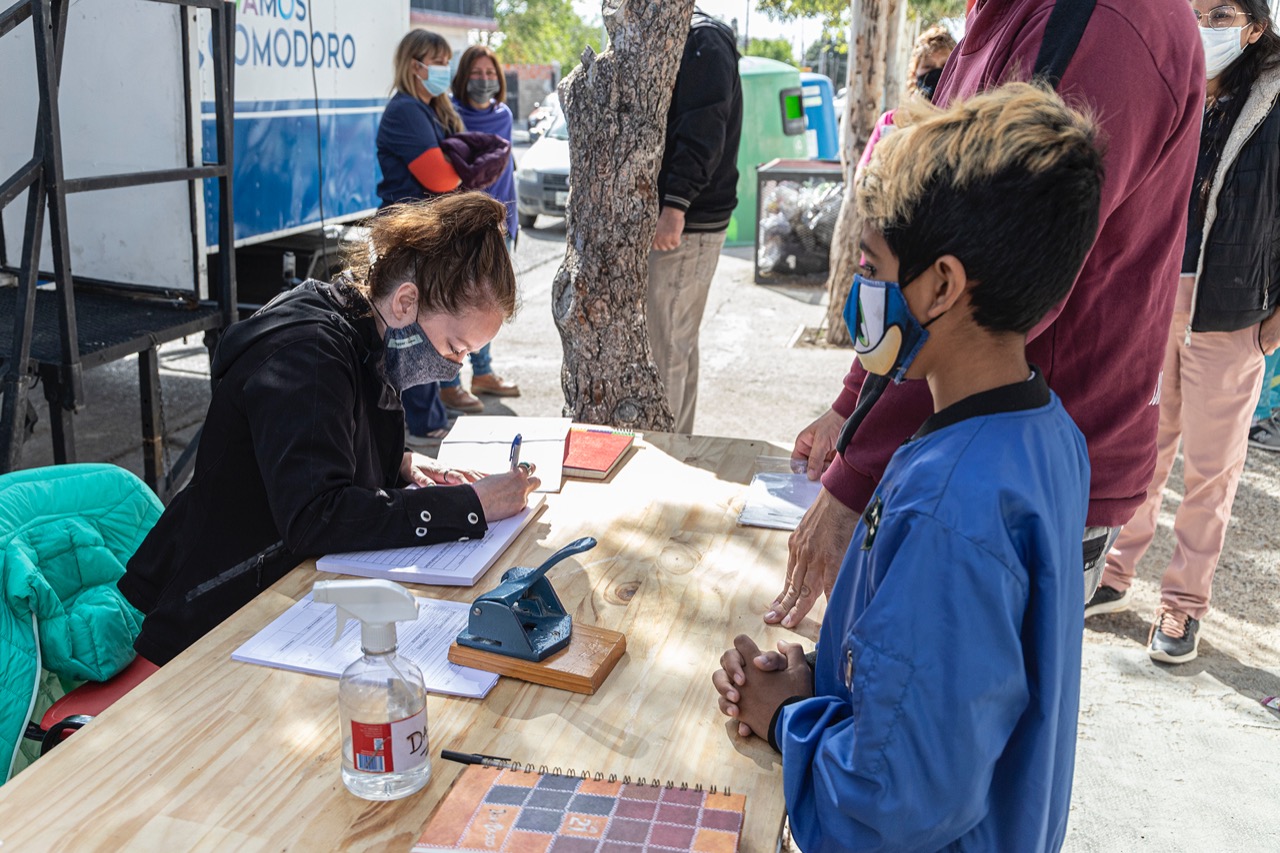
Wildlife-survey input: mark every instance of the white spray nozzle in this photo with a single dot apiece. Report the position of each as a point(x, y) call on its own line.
point(378, 604)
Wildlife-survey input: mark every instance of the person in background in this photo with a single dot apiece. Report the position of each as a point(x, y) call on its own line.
point(480, 99)
point(302, 452)
point(929, 56)
point(1139, 67)
point(1264, 431)
point(697, 191)
point(1224, 323)
point(940, 710)
point(419, 115)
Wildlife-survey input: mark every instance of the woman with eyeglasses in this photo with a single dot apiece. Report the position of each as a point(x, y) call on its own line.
point(480, 99)
point(1224, 324)
point(414, 166)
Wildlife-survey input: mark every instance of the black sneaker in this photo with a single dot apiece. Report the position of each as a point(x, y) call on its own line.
point(1174, 636)
point(1108, 600)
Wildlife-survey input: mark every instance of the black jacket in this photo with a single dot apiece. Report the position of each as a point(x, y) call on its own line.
point(299, 456)
point(1238, 279)
point(704, 124)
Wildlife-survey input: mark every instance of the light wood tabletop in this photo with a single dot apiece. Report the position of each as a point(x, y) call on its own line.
point(212, 754)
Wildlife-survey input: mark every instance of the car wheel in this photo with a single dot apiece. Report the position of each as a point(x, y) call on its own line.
point(526, 220)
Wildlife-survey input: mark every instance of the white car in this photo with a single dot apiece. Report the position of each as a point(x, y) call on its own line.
point(542, 179)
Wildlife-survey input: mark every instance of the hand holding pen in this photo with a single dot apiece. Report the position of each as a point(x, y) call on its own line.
point(504, 495)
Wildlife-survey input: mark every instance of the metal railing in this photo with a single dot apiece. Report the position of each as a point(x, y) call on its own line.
point(468, 8)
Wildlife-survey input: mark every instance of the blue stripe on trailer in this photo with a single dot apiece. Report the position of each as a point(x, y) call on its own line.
point(206, 108)
point(276, 179)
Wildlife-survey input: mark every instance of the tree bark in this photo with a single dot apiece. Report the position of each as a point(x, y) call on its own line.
point(616, 106)
point(863, 107)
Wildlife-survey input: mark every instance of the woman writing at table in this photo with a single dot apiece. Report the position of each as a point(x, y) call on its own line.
point(302, 452)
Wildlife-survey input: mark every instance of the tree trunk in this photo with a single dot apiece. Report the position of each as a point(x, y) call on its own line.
point(897, 51)
point(863, 107)
point(616, 105)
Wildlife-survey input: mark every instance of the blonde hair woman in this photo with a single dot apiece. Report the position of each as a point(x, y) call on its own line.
point(414, 166)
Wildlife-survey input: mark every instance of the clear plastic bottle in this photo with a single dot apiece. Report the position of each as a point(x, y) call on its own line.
point(382, 696)
point(382, 699)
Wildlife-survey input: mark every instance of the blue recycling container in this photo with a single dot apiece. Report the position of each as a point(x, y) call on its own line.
point(820, 117)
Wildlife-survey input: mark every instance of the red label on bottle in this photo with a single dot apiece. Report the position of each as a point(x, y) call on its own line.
point(390, 747)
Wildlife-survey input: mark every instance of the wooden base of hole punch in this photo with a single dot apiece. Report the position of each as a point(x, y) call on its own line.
point(581, 667)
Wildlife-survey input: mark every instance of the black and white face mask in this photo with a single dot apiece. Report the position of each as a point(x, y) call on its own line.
point(410, 359)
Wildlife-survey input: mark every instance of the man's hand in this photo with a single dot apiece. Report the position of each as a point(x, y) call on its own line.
point(425, 471)
point(816, 443)
point(1269, 333)
point(814, 554)
point(670, 229)
point(774, 678)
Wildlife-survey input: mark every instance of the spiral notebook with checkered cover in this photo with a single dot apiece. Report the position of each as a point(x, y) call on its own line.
point(522, 809)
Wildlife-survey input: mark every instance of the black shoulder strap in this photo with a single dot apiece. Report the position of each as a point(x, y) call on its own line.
point(1061, 38)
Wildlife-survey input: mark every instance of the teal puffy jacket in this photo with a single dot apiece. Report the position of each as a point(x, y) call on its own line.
point(66, 533)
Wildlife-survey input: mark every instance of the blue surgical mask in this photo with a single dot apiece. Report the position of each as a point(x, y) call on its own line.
point(410, 359)
point(437, 80)
point(886, 337)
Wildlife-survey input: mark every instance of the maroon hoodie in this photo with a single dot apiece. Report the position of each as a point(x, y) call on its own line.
point(1140, 70)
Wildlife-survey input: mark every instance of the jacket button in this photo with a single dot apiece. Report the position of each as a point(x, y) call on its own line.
point(421, 531)
point(424, 515)
point(473, 518)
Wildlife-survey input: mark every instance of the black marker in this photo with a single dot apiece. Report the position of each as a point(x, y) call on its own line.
point(473, 758)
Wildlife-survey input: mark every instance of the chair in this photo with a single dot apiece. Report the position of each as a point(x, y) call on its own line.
point(66, 533)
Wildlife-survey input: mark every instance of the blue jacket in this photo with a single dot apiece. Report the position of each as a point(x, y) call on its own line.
point(947, 678)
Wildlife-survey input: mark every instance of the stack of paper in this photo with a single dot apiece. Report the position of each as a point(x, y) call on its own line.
point(301, 639)
point(778, 501)
point(447, 563)
point(483, 443)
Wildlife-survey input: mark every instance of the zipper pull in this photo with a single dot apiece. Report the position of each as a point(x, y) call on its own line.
point(1186, 342)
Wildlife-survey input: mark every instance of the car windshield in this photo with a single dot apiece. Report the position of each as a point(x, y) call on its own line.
point(559, 130)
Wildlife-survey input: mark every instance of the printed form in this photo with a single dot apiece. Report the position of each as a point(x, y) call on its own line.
point(301, 639)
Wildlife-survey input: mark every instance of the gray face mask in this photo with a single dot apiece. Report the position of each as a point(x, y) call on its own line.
point(481, 91)
point(411, 360)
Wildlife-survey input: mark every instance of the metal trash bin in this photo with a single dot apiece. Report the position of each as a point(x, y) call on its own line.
point(797, 204)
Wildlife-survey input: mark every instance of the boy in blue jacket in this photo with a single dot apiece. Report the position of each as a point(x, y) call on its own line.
point(940, 710)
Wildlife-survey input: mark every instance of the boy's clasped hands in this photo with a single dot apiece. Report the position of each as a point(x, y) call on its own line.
point(753, 684)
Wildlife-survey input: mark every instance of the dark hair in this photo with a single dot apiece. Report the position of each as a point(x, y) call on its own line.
point(469, 57)
point(1009, 182)
point(1233, 91)
point(452, 247)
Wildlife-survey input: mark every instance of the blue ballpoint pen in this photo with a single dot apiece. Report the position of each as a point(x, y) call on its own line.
point(515, 452)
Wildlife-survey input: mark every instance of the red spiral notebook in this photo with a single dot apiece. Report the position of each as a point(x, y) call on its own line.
point(510, 810)
point(592, 452)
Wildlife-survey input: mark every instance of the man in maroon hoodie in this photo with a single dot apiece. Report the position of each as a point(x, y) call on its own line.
point(1139, 68)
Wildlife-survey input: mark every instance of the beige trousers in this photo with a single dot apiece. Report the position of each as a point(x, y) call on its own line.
point(679, 281)
point(1207, 395)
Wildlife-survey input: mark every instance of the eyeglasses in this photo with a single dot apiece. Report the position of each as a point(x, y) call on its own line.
point(1220, 18)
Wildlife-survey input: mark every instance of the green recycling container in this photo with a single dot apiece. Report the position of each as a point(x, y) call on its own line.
point(772, 127)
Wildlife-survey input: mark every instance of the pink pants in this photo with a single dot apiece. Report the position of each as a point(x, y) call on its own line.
point(1207, 397)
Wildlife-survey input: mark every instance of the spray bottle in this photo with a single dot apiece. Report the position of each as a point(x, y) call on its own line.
point(382, 700)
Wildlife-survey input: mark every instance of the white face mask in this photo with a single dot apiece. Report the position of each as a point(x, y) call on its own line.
point(1221, 48)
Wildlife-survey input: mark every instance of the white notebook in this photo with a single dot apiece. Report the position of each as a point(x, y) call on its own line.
point(301, 640)
point(483, 443)
point(446, 564)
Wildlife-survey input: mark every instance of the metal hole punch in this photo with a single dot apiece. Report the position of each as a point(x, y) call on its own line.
point(522, 616)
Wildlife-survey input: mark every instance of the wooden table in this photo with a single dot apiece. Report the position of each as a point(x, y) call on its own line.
point(211, 754)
